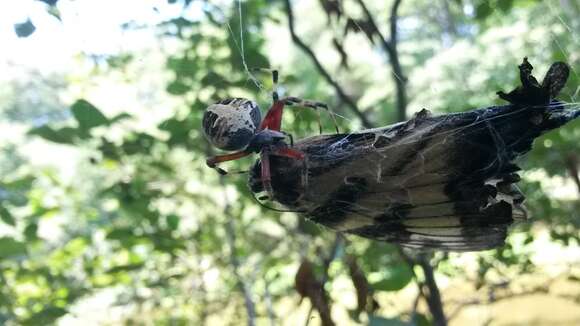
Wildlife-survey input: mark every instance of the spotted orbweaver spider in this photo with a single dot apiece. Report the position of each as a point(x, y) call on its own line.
point(235, 124)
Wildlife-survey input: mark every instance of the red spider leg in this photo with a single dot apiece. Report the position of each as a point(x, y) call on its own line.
point(273, 119)
point(266, 176)
point(266, 173)
point(214, 160)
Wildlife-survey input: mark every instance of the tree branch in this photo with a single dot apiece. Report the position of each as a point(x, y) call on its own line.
point(341, 93)
point(433, 297)
point(242, 284)
point(338, 241)
point(390, 46)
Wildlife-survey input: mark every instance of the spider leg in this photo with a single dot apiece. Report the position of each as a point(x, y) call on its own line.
point(275, 95)
point(289, 135)
point(214, 160)
point(275, 74)
point(313, 105)
point(266, 176)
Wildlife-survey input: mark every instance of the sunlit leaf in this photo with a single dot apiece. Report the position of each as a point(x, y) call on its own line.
point(308, 227)
point(394, 278)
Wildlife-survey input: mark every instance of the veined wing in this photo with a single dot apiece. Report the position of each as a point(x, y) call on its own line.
point(443, 182)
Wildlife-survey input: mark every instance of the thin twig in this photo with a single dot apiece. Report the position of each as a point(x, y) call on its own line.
point(414, 308)
point(341, 93)
point(390, 46)
point(269, 305)
point(338, 241)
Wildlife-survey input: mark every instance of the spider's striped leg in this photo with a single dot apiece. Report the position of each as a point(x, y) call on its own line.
point(213, 161)
point(274, 73)
point(295, 101)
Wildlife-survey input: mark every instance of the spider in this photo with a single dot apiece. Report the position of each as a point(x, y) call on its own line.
point(235, 124)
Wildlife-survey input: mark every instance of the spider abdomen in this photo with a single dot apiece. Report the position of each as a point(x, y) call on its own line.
point(231, 124)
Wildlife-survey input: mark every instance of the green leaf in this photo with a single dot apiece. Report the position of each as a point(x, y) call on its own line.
point(24, 29)
point(46, 316)
point(21, 184)
point(394, 278)
point(172, 222)
point(382, 321)
point(119, 117)
point(125, 268)
point(10, 248)
point(120, 234)
point(483, 10)
point(6, 217)
point(64, 135)
point(31, 230)
point(505, 5)
point(308, 227)
point(178, 129)
point(87, 115)
point(177, 87)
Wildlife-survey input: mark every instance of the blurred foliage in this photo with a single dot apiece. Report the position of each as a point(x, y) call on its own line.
point(144, 219)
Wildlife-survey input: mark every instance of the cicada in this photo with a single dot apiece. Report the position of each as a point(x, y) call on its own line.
point(444, 182)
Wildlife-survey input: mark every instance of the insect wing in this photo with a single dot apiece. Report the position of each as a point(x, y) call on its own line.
point(444, 182)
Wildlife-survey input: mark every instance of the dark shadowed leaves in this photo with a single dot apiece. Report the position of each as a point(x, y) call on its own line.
point(24, 29)
point(172, 222)
point(49, 2)
point(483, 10)
point(6, 216)
point(382, 321)
point(64, 135)
point(10, 248)
point(177, 87)
point(46, 316)
point(87, 115)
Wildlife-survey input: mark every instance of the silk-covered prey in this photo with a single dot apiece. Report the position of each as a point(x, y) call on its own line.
point(446, 182)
